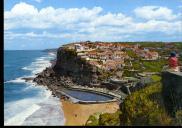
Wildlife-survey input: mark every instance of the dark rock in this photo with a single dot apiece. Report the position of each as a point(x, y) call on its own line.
point(28, 79)
point(172, 91)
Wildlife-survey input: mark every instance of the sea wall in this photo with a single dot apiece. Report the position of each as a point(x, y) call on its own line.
point(172, 91)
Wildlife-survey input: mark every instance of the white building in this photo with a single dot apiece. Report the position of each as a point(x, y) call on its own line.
point(79, 48)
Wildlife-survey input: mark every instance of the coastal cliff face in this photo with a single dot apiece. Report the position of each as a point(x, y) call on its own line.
point(68, 64)
point(70, 70)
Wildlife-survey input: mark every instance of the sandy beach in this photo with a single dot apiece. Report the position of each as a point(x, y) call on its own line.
point(77, 114)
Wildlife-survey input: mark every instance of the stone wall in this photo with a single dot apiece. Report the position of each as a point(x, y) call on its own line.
point(172, 91)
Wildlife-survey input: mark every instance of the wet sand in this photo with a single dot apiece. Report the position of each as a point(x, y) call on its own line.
point(77, 114)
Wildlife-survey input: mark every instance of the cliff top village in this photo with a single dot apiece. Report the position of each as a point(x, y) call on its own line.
point(110, 56)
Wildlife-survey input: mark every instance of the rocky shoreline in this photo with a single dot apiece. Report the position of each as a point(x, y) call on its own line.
point(71, 72)
point(56, 83)
point(50, 79)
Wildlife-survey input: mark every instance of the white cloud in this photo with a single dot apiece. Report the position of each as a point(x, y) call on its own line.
point(112, 19)
point(160, 26)
point(23, 15)
point(155, 13)
point(21, 9)
point(88, 23)
point(102, 36)
point(44, 34)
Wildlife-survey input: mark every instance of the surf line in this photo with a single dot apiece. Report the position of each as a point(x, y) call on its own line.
point(19, 119)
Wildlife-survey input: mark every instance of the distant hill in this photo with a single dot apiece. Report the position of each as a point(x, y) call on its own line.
point(50, 50)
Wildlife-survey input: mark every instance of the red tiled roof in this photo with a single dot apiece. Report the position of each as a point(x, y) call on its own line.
point(93, 62)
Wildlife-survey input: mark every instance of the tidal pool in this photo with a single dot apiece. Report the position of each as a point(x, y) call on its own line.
point(88, 96)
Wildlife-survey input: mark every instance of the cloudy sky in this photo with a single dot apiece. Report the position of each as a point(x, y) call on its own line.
point(40, 24)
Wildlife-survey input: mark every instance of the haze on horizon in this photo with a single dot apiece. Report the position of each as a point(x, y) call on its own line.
point(42, 24)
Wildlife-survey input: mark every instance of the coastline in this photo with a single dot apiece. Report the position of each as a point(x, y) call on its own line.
point(26, 103)
point(74, 113)
point(78, 113)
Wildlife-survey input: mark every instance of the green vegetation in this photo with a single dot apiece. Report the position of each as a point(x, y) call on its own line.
point(93, 120)
point(144, 66)
point(128, 73)
point(105, 74)
point(106, 119)
point(147, 44)
point(156, 78)
point(154, 66)
point(178, 118)
point(152, 44)
point(131, 54)
point(70, 51)
point(136, 65)
point(179, 45)
point(144, 107)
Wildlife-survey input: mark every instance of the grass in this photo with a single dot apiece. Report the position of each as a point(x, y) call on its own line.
point(156, 78)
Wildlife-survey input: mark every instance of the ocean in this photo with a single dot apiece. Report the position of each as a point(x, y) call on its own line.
point(25, 103)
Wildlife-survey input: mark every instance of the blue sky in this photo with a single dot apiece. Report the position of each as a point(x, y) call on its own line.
point(40, 24)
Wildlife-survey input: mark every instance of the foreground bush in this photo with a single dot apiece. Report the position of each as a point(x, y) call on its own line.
point(106, 119)
point(110, 119)
point(144, 107)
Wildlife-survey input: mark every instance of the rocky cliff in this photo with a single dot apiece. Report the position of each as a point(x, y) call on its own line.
point(69, 65)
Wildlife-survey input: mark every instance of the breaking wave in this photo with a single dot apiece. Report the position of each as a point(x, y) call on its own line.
point(33, 110)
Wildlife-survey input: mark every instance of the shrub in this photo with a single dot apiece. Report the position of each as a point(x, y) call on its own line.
point(154, 66)
point(110, 119)
point(178, 118)
point(131, 54)
point(156, 78)
point(143, 108)
point(93, 120)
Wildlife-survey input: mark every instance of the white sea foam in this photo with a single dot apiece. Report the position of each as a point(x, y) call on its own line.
point(39, 65)
point(21, 80)
point(39, 59)
point(35, 67)
point(33, 111)
point(17, 80)
point(52, 106)
point(13, 108)
point(19, 118)
point(28, 111)
point(52, 54)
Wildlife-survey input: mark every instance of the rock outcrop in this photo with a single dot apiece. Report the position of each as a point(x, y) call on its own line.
point(68, 64)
